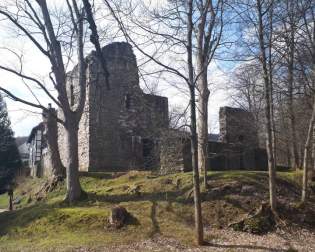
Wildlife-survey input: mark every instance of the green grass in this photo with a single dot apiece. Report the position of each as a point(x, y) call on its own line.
point(163, 206)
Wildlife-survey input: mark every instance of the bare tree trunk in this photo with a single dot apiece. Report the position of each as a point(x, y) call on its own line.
point(202, 110)
point(73, 184)
point(207, 40)
point(272, 109)
point(307, 149)
point(268, 115)
point(193, 129)
point(196, 180)
point(58, 170)
point(270, 149)
point(296, 157)
point(273, 122)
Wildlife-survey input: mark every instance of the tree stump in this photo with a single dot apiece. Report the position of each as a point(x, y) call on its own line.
point(261, 222)
point(119, 216)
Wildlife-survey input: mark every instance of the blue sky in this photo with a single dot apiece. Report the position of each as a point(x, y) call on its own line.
point(23, 118)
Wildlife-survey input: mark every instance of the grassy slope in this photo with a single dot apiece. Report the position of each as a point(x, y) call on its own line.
point(164, 206)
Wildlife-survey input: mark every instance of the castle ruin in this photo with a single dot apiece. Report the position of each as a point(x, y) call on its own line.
point(121, 123)
point(121, 126)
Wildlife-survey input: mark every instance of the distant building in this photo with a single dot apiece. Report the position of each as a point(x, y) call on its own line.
point(35, 146)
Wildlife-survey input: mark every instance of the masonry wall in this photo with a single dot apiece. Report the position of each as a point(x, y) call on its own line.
point(237, 126)
point(119, 121)
point(73, 91)
point(122, 116)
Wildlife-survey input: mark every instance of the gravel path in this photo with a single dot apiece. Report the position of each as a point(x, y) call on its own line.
point(301, 241)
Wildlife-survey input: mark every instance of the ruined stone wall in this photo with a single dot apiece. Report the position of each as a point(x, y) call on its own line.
point(118, 119)
point(231, 156)
point(114, 112)
point(237, 126)
point(155, 113)
point(73, 91)
point(175, 153)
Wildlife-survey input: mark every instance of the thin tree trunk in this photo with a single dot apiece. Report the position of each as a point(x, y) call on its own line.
point(193, 130)
point(203, 122)
point(270, 150)
point(296, 157)
point(311, 130)
point(196, 180)
point(74, 190)
point(272, 110)
point(268, 115)
point(307, 149)
point(273, 122)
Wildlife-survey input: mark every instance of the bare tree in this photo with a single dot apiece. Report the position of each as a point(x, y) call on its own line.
point(286, 47)
point(262, 34)
point(178, 16)
point(46, 37)
point(308, 14)
point(209, 29)
point(247, 90)
point(257, 20)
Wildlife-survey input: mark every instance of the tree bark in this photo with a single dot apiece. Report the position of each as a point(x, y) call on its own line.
point(74, 190)
point(307, 149)
point(58, 170)
point(203, 161)
point(296, 158)
point(196, 180)
point(193, 129)
point(268, 114)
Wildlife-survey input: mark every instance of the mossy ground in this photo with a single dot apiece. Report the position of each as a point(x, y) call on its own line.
point(161, 205)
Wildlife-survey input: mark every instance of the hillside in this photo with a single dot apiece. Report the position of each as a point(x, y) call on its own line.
point(162, 207)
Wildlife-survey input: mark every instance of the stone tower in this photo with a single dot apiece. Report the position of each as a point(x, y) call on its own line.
point(119, 121)
point(237, 126)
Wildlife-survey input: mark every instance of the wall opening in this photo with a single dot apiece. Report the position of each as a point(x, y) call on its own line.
point(127, 101)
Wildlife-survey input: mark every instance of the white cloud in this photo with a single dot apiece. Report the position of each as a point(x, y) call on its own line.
point(23, 118)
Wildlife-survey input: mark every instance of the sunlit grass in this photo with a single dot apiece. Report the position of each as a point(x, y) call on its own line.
point(161, 205)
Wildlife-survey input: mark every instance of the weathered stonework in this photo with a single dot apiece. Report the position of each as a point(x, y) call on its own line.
point(117, 122)
point(236, 149)
point(236, 126)
point(123, 128)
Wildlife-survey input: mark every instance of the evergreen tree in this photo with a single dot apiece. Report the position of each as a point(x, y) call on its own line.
point(9, 156)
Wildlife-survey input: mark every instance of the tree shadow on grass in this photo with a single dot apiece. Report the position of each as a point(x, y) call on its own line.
point(173, 196)
point(22, 217)
point(155, 224)
point(243, 247)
